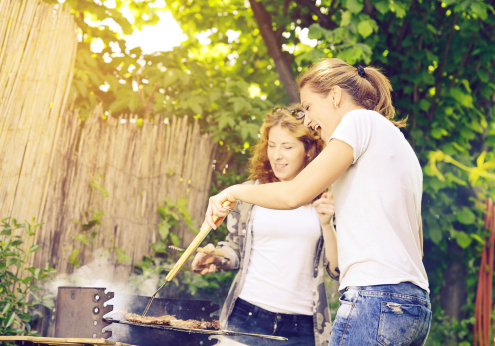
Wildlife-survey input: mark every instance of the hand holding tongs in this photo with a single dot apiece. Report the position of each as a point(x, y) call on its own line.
point(224, 260)
point(203, 232)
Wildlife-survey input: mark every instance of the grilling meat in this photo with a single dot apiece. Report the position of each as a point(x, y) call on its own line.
point(189, 324)
point(170, 320)
point(165, 319)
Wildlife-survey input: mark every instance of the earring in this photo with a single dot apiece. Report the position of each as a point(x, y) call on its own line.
point(335, 104)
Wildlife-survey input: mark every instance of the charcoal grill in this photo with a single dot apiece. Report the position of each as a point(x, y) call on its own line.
point(83, 312)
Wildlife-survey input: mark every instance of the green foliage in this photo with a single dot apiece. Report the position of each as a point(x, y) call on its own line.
point(151, 272)
point(447, 331)
point(108, 25)
point(214, 287)
point(73, 257)
point(91, 219)
point(19, 283)
point(172, 214)
point(192, 80)
point(122, 257)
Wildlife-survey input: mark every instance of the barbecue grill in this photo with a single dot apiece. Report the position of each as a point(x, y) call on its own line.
point(83, 317)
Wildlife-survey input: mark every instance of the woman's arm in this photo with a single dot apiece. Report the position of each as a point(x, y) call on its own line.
point(325, 207)
point(421, 236)
point(324, 170)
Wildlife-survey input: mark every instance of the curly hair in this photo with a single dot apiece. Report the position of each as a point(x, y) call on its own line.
point(260, 167)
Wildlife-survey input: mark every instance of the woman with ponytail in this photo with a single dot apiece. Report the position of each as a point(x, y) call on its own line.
point(377, 186)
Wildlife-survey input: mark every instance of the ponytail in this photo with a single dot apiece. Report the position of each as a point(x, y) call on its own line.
point(383, 99)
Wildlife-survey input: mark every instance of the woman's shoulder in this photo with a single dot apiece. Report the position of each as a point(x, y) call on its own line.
point(251, 182)
point(362, 114)
point(364, 120)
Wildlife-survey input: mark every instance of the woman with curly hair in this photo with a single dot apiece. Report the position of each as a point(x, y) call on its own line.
point(279, 254)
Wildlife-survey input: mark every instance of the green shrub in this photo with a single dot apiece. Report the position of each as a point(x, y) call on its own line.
point(19, 284)
point(446, 331)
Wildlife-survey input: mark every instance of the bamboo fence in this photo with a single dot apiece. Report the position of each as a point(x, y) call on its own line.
point(123, 171)
point(65, 172)
point(37, 51)
point(483, 310)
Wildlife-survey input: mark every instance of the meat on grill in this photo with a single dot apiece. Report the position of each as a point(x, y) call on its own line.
point(165, 319)
point(170, 320)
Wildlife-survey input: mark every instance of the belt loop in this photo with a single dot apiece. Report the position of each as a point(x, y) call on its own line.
point(255, 309)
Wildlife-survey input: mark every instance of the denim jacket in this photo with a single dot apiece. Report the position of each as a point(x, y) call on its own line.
point(238, 245)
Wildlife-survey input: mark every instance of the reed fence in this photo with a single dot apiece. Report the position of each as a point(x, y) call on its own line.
point(121, 171)
point(65, 172)
point(37, 51)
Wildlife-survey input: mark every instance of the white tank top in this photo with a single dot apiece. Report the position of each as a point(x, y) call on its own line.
point(279, 275)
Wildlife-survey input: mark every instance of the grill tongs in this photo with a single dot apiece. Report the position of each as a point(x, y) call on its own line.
point(203, 232)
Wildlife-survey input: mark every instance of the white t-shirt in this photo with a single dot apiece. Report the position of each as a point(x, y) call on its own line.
point(279, 275)
point(378, 205)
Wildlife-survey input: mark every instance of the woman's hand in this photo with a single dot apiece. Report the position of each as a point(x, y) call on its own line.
point(216, 208)
point(325, 207)
point(209, 262)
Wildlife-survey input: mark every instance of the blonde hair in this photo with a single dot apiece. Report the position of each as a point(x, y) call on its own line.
point(368, 88)
point(260, 167)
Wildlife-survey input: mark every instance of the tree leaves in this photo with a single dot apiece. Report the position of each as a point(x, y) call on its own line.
point(365, 28)
point(121, 256)
point(461, 97)
point(355, 6)
point(466, 216)
point(463, 239)
point(382, 6)
point(311, 55)
point(315, 32)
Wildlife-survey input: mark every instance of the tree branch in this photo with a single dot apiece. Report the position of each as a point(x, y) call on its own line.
point(441, 69)
point(274, 47)
point(464, 59)
point(368, 8)
point(325, 21)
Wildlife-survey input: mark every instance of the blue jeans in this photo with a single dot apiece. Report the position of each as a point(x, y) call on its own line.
point(382, 315)
point(249, 318)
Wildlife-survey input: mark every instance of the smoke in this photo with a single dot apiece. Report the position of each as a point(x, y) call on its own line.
point(100, 272)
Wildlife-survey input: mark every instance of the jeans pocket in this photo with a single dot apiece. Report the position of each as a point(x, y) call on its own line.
point(343, 314)
point(399, 323)
point(239, 317)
